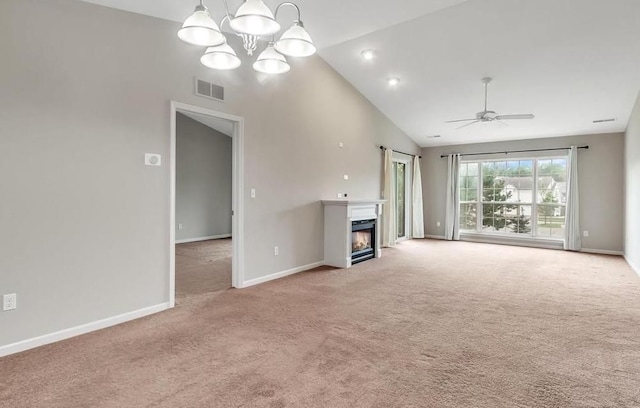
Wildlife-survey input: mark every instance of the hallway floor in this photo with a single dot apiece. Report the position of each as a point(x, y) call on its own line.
point(202, 267)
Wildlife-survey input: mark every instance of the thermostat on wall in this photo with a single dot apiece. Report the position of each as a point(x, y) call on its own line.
point(151, 159)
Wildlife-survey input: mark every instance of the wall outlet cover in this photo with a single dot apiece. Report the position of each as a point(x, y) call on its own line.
point(9, 302)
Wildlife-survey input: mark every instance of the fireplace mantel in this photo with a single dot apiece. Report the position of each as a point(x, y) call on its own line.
point(338, 218)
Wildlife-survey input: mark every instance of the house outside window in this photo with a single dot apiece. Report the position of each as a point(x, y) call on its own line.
point(516, 197)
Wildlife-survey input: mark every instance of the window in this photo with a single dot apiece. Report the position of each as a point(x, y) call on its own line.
point(524, 197)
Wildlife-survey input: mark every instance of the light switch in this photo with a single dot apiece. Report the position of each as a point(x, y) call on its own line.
point(340, 144)
point(253, 193)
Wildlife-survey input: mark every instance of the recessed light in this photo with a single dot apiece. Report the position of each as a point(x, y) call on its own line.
point(368, 54)
point(393, 81)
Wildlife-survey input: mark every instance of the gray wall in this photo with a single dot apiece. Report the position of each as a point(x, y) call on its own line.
point(203, 180)
point(85, 93)
point(632, 177)
point(600, 174)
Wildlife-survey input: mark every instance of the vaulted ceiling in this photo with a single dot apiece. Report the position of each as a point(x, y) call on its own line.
point(569, 62)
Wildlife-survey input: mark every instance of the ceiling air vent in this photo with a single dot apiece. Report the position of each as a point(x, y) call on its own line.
point(433, 137)
point(604, 120)
point(209, 90)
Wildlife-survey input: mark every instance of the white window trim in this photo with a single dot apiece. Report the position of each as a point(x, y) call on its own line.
point(533, 235)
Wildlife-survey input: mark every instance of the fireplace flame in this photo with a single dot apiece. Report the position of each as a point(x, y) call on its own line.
point(360, 240)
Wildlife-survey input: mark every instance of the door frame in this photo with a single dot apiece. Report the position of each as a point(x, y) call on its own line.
point(237, 198)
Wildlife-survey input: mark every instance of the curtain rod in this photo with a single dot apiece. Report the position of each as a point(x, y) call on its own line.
point(397, 151)
point(516, 151)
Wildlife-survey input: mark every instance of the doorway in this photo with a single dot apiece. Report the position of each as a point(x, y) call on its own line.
point(194, 251)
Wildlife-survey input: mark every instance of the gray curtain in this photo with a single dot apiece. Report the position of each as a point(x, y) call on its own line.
point(452, 221)
point(572, 241)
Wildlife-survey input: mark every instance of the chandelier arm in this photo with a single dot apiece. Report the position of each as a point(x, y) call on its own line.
point(227, 19)
point(287, 3)
point(226, 9)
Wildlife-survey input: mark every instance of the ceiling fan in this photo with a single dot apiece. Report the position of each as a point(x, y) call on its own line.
point(487, 115)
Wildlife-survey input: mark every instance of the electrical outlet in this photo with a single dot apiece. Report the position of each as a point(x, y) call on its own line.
point(346, 177)
point(253, 193)
point(340, 144)
point(9, 302)
point(438, 223)
point(276, 251)
point(585, 233)
point(339, 195)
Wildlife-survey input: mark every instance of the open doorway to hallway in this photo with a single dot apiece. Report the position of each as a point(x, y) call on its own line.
point(206, 204)
point(203, 204)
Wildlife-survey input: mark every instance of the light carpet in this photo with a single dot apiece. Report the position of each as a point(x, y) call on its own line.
point(202, 267)
point(430, 324)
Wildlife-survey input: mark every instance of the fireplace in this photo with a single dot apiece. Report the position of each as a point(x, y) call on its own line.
point(363, 238)
point(351, 233)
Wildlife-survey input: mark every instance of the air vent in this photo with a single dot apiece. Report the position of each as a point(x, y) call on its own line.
point(433, 137)
point(209, 90)
point(604, 120)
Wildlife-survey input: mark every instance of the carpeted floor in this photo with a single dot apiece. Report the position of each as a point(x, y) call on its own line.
point(202, 267)
point(431, 324)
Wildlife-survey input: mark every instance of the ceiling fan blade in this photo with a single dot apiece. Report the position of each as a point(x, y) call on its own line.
point(508, 117)
point(468, 124)
point(461, 120)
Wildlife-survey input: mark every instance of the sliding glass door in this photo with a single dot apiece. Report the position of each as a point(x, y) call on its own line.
point(401, 180)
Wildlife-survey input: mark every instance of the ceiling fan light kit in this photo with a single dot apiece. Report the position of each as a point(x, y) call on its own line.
point(486, 116)
point(252, 20)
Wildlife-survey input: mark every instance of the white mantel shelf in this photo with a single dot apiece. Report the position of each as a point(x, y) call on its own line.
point(353, 202)
point(338, 216)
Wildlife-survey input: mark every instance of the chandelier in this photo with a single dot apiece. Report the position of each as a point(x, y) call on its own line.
point(252, 20)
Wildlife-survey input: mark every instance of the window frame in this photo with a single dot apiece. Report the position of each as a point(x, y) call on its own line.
point(479, 203)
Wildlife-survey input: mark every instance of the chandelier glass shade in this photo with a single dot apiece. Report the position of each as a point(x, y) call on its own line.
point(221, 57)
point(200, 29)
point(252, 20)
point(271, 61)
point(296, 42)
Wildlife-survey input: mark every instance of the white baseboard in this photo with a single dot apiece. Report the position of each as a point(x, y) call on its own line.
point(78, 330)
point(282, 274)
point(434, 236)
point(602, 251)
point(513, 241)
point(633, 266)
point(185, 241)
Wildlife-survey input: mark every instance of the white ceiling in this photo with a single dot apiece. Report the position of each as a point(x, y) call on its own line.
point(569, 62)
point(223, 126)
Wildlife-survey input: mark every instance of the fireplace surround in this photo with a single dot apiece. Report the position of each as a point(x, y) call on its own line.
point(351, 231)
